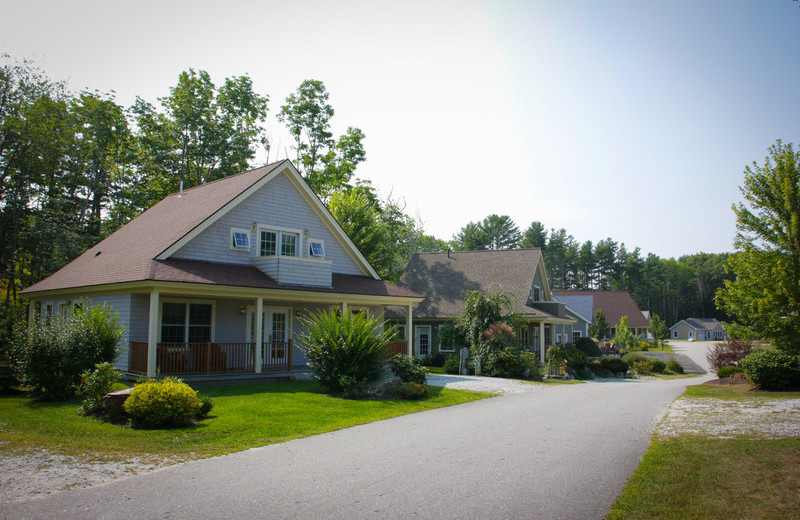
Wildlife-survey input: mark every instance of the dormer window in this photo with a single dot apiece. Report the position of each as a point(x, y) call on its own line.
point(240, 239)
point(316, 248)
point(278, 243)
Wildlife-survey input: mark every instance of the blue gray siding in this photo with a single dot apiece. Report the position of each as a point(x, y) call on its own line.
point(281, 205)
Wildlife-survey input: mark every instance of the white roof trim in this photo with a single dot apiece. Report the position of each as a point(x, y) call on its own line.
point(297, 181)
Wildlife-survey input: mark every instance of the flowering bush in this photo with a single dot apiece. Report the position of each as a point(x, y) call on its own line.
point(728, 354)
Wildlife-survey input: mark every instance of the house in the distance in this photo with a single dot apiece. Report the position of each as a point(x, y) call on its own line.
point(698, 329)
point(215, 279)
point(444, 279)
point(614, 304)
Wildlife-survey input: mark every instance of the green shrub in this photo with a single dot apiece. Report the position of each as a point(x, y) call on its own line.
point(505, 362)
point(772, 369)
point(169, 402)
point(631, 357)
point(729, 371)
point(530, 363)
point(411, 391)
point(614, 364)
point(599, 370)
point(95, 384)
point(408, 369)
point(588, 346)
point(642, 367)
point(51, 358)
point(206, 404)
point(674, 366)
point(346, 352)
point(451, 364)
point(658, 366)
point(434, 359)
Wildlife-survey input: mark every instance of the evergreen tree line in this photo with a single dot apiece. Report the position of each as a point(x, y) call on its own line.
point(673, 289)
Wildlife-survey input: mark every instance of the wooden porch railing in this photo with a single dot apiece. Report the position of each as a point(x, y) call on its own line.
point(276, 355)
point(396, 347)
point(210, 357)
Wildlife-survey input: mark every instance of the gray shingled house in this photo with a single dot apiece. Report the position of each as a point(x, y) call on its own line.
point(698, 329)
point(445, 278)
point(212, 280)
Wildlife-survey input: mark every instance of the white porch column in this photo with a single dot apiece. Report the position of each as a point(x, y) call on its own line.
point(410, 329)
point(344, 308)
point(152, 335)
point(541, 341)
point(259, 333)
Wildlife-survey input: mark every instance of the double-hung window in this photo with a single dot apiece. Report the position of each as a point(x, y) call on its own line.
point(288, 244)
point(276, 242)
point(183, 322)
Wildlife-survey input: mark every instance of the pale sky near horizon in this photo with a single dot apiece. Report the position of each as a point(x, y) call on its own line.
point(625, 119)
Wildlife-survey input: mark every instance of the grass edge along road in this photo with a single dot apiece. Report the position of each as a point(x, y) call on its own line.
point(244, 416)
point(699, 476)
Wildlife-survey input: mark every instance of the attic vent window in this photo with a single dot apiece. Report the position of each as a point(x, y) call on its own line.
point(240, 239)
point(317, 249)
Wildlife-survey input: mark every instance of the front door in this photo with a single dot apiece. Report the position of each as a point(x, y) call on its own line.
point(423, 340)
point(275, 328)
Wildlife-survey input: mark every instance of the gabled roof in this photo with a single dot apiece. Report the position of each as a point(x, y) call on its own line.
point(615, 305)
point(701, 323)
point(445, 278)
point(140, 250)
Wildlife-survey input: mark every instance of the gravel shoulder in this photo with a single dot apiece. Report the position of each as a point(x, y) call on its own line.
point(33, 474)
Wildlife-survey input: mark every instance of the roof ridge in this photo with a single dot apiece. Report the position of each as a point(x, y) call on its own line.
point(229, 177)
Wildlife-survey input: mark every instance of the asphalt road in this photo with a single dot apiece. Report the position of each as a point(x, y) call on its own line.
point(556, 452)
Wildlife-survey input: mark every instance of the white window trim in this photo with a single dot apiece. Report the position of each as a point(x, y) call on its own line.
point(311, 242)
point(279, 231)
point(240, 248)
point(186, 324)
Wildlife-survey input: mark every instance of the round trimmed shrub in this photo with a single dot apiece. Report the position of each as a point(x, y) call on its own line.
point(504, 362)
point(772, 369)
point(169, 402)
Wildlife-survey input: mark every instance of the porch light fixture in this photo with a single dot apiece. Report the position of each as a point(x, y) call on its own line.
point(241, 309)
point(297, 312)
point(305, 233)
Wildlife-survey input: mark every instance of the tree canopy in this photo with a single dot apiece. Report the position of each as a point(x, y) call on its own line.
point(764, 296)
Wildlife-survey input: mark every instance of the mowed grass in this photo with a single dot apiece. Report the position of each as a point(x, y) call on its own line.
point(244, 416)
point(697, 477)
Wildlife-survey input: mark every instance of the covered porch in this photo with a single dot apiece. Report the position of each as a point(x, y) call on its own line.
point(184, 333)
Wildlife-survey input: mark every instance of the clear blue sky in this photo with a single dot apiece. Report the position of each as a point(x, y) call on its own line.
point(625, 119)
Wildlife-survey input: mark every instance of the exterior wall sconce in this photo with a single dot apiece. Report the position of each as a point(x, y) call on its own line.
point(242, 309)
point(255, 225)
point(297, 313)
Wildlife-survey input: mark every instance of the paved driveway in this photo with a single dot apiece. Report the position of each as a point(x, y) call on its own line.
point(557, 452)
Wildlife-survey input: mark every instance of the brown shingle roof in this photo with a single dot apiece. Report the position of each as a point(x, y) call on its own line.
point(191, 271)
point(445, 278)
point(129, 254)
point(615, 305)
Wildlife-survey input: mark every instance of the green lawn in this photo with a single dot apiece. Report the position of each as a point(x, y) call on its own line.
point(244, 416)
point(699, 477)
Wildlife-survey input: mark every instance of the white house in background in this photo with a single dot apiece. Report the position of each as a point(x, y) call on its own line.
point(213, 280)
